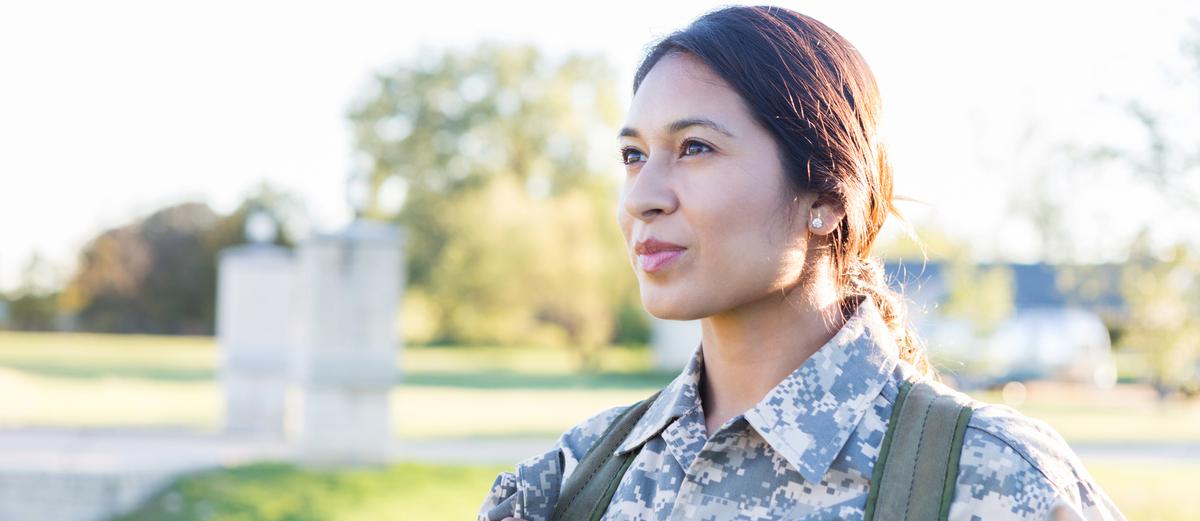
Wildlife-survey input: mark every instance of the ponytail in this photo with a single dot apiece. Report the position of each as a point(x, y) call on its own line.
point(866, 278)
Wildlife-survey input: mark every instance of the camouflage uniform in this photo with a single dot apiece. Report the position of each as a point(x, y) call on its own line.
point(806, 450)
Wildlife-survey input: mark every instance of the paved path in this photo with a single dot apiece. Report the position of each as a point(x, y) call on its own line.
point(94, 474)
point(1181, 452)
point(109, 450)
point(123, 450)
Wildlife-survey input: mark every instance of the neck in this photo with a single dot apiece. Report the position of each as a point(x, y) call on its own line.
point(748, 350)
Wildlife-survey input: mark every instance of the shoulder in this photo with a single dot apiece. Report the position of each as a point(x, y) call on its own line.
point(1037, 443)
point(1013, 466)
point(532, 489)
point(579, 439)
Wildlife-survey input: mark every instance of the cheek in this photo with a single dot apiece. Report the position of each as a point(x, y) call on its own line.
point(745, 235)
point(738, 239)
point(739, 210)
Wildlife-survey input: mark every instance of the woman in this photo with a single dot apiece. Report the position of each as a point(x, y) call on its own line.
point(756, 184)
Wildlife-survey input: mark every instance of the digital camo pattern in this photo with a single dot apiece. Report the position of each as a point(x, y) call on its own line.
point(806, 451)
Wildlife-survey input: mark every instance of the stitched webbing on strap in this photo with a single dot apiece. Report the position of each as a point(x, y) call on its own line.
point(885, 450)
point(918, 461)
point(590, 487)
point(952, 467)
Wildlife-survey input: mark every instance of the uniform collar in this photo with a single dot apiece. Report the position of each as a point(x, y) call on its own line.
point(808, 417)
point(676, 399)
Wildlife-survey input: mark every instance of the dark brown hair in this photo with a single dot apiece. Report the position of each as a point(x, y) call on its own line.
point(812, 90)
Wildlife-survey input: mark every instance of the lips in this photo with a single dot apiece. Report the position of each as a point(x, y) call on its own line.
point(653, 245)
point(657, 261)
point(654, 255)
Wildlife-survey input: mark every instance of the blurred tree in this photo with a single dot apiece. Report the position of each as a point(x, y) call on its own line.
point(107, 281)
point(1167, 161)
point(507, 204)
point(443, 125)
point(151, 276)
point(632, 323)
point(177, 293)
point(924, 242)
point(525, 270)
point(285, 209)
point(158, 274)
point(32, 306)
point(981, 295)
point(1164, 301)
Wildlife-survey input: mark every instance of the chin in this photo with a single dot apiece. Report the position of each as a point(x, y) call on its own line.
point(666, 305)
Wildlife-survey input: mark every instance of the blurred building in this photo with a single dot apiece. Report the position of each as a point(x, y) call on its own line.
point(1036, 285)
point(1058, 329)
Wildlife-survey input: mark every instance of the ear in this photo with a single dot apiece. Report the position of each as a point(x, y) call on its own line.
point(826, 212)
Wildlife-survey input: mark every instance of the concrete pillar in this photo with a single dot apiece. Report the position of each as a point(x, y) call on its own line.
point(350, 284)
point(673, 342)
point(254, 296)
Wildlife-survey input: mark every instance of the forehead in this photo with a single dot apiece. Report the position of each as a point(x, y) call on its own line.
point(682, 86)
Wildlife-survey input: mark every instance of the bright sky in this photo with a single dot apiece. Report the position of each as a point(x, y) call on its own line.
point(110, 110)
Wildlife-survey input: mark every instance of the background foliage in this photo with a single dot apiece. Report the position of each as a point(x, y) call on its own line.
point(490, 157)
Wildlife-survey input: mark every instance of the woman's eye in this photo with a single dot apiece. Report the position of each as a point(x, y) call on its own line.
point(691, 148)
point(631, 155)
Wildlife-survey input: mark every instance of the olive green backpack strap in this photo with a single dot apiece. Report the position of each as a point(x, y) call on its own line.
point(921, 447)
point(590, 487)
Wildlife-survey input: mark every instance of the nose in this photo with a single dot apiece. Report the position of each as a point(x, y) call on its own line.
point(650, 193)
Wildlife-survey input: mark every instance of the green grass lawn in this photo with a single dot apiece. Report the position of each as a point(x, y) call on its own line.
point(134, 380)
point(469, 392)
point(147, 381)
point(1152, 492)
point(278, 492)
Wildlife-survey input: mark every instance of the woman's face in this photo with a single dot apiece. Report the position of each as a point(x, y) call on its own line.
point(703, 175)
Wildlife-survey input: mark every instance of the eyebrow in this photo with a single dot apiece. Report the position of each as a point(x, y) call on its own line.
point(679, 125)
